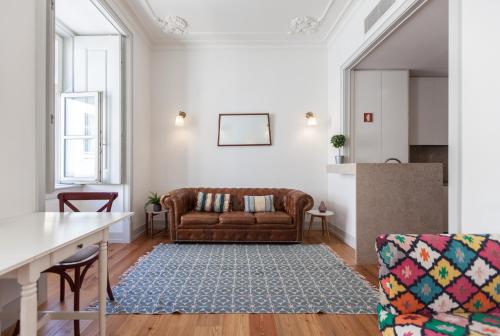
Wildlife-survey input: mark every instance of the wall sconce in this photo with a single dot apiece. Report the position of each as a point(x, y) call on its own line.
point(311, 119)
point(179, 120)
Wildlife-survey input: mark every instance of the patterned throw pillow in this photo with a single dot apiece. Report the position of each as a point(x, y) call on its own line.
point(209, 202)
point(259, 203)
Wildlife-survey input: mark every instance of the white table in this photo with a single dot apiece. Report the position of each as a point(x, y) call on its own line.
point(32, 243)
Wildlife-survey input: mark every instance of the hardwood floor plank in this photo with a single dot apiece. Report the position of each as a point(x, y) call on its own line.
point(123, 256)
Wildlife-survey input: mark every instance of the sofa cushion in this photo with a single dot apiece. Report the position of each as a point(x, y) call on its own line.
point(259, 203)
point(277, 217)
point(454, 324)
point(237, 217)
point(195, 217)
point(213, 202)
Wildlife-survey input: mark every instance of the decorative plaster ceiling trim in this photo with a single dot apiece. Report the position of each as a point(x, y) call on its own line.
point(309, 24)
point(299, 25)
point(170, 24)
point(237, 44)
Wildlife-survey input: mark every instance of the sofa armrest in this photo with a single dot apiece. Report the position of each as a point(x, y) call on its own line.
point(296, 204)
point(178, 202)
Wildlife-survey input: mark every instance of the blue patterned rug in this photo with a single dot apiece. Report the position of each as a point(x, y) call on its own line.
point(242, 278)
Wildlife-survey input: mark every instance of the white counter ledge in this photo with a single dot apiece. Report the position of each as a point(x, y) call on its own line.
point(344, 169)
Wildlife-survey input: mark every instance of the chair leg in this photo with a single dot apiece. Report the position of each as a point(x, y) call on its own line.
point(110, 291)
point(76, 300)
point(62, 288)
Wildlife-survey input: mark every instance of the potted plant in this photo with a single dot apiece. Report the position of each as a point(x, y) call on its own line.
point(338, 141)
point(154, 199)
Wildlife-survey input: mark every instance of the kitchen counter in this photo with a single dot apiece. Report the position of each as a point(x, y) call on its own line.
point(388, 198)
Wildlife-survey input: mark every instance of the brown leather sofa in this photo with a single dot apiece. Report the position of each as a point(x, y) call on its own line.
point(283, 225)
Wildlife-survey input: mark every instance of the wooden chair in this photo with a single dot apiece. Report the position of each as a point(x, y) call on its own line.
point(81, 261)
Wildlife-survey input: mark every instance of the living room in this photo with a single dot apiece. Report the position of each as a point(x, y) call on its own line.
point(221, 118)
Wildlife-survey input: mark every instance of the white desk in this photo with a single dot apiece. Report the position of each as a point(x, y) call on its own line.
point(32, 243)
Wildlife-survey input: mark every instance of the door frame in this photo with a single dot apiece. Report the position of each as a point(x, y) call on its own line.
point(45, 100)
point(391, 24)
point(399, 17)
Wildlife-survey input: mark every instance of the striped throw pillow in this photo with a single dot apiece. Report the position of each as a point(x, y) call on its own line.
point(259, 203)
point(209, 202)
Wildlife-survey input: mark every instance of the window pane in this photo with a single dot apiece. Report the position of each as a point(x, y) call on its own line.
point(80, 116)
point(80, 158)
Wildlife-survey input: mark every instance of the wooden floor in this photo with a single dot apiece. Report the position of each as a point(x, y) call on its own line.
point(122, 256)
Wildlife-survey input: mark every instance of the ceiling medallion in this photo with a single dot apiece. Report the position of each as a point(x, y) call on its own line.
point(173, 25)
point(304, 25)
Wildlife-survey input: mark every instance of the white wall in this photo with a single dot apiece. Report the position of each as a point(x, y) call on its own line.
point(475, 78)
point(17, 97)
point(206, 81)
point(18, 167)
point(141, 129)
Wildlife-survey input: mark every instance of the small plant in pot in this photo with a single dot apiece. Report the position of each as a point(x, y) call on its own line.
point(154, 199)
point(338, 141)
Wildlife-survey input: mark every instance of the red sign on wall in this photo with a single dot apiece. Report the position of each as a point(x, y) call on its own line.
point(368, 117)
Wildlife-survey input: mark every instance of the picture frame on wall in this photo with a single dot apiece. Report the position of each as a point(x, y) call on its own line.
point(244, 129)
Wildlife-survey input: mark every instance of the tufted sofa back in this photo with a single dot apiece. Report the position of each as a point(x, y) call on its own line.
point(430, 273)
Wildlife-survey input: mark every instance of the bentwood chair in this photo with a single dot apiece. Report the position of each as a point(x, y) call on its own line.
point(81, 261)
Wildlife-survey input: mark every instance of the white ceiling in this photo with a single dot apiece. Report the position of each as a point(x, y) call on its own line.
point(83, 18)
point(238, 20)
point(420, 45)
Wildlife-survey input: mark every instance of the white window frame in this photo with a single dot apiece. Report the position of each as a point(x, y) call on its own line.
point(62, 137)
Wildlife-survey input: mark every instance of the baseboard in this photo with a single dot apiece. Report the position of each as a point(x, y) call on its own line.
point(138, 232)
point(344, 236)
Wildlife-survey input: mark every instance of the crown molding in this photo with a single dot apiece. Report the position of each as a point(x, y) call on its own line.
point(160, 40)
point(237, 44)
point(344, 16)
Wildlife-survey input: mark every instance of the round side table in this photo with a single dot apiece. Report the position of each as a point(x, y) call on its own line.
point(150, 214)
point(324, 224)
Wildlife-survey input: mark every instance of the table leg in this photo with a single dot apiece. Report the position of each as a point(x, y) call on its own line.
point(147, 224)
point(151, 225)
point(310, 223)
point(103, 275)
point(29, 305)
point(326, 228)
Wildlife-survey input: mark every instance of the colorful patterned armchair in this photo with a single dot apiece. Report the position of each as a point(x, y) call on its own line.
point(437, 285)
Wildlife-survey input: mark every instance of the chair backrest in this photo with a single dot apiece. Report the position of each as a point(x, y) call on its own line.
point(66, 197)
point(438, 273)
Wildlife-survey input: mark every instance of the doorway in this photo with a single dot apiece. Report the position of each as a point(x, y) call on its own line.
point(401, 81)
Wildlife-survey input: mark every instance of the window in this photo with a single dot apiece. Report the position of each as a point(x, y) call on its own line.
point(80, 139)
point(87, 137)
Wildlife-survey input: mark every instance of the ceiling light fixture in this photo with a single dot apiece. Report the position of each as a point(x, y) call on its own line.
point(170, 24)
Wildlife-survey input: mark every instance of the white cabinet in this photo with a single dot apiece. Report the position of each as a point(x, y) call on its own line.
point(428, 111)
point(385, 96)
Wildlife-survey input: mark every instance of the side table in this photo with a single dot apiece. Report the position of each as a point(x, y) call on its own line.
point(324, 224)
point(150, 214)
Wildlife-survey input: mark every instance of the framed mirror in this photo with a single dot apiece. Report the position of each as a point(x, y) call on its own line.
point(245, 129)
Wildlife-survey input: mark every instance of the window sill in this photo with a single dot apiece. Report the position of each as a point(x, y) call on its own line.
point(61, 187)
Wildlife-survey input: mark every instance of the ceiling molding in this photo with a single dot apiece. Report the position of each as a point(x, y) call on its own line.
point(238, 44)
point(152, 28)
